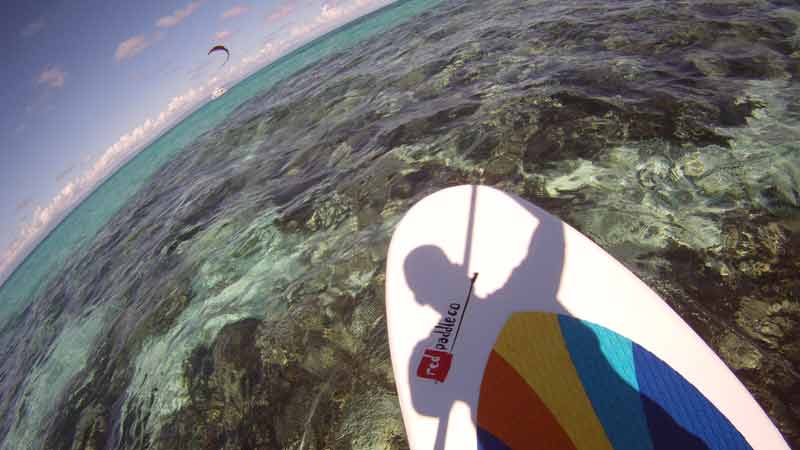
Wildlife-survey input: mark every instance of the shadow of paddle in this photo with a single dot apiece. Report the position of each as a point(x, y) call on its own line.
point(466, 320)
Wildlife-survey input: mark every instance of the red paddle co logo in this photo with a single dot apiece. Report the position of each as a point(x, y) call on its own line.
point(435, 363)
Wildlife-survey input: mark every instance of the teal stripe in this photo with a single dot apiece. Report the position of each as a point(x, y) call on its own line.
point(605, 365)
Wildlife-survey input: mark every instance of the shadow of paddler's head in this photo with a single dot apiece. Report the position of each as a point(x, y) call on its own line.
point(431, 275)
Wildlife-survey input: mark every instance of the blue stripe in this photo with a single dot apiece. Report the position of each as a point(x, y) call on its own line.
point(678, 415)
point(604, 361)
point(487, 441)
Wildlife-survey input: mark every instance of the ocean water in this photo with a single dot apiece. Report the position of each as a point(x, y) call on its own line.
point(225, 288)
point(36, 274)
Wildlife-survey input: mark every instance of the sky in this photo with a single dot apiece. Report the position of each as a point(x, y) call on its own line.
point(87, 84)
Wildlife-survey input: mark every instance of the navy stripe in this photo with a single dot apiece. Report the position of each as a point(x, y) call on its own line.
point(487, 441)
point(678, 415)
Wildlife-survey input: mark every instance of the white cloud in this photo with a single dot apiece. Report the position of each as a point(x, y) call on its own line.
point(53, 77)
point(31, 231)
point(298, 31)
point(237, 10)
point(279, 13)
point(331, 12)
point(177, 16)
point(331, 15)
point(32, 28)
point(10, 256)
point(268, 52)
point(222, 35)
point(131, 47)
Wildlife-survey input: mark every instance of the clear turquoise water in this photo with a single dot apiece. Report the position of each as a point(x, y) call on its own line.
point(83, 223)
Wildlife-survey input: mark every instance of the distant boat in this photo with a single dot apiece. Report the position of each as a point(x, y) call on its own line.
point(218, 92)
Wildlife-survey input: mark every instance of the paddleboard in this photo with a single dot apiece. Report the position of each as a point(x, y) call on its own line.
point(509, 329)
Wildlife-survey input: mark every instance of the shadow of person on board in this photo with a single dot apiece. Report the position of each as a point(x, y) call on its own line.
point(431, 275)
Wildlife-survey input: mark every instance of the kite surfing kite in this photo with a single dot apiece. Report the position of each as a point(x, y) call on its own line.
point(221, 48)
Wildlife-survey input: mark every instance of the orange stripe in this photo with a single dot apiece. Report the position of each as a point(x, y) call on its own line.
point(510, 410)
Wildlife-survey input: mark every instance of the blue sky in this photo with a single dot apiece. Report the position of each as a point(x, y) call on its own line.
point(87, 83)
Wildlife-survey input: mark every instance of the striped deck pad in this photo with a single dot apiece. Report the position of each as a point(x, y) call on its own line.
point(556, 382)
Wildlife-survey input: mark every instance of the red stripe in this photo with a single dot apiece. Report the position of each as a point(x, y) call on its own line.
point(511, 411)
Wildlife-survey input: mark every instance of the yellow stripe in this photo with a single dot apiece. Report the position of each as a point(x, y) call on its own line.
point(533, 345)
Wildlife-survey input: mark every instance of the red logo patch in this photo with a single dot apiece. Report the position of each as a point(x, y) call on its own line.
point(434, 365)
